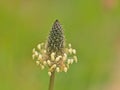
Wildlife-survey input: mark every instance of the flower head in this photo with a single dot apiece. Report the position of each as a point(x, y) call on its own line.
point(54, 54)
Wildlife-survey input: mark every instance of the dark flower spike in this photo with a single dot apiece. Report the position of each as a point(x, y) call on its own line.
point(53, 54)
point(56, 41)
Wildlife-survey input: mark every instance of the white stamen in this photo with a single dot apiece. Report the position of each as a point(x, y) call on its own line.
point(58, 58)
point(39, 46)
point(36, 53)
point(42, 67)
point(37, 62)
point(33, 56)
point(69, 45)
point(64, 57)
point(44, 62)
point(75, 58)
point(33, 50)
point(40, 57)
point(53, 56)
point(54, 66)
point(48, 62)
point(70, 50)
point(65, 69)
point(49, 73)
point(44, 51)
point(71, 61)
point(74, 51)
point(68, 62)
point(58, 69)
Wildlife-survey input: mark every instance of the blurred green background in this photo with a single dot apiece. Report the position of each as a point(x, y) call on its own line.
point(92, 26)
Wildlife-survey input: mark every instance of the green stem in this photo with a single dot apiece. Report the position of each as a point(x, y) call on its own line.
point(51, 83)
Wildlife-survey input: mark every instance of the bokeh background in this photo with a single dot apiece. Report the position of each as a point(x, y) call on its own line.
point(92, 26)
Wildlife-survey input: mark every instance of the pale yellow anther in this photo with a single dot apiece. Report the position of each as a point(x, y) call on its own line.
point(70, 50)
point(58, 69)
point(42, 67)
point(53, 56)
point(48, 62)
point(54, 66)
point(74, 51)
point(37, 62)
point(33, 50)
point(58, 58)
point(40, 57)
point(49, 73)
point(33, 56)
point(36, 53)
point(69, 45)
point(64, 57)
point(65, 69)
point(44, 51)
point(39, 46)
point(75, 58)
point(68, 61)
point(71, 61)
point(44, 62)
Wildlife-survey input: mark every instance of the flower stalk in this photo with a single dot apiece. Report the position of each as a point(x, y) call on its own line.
point(51, 83)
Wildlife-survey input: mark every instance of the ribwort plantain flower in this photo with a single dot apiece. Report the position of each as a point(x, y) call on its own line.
point(54, 54)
